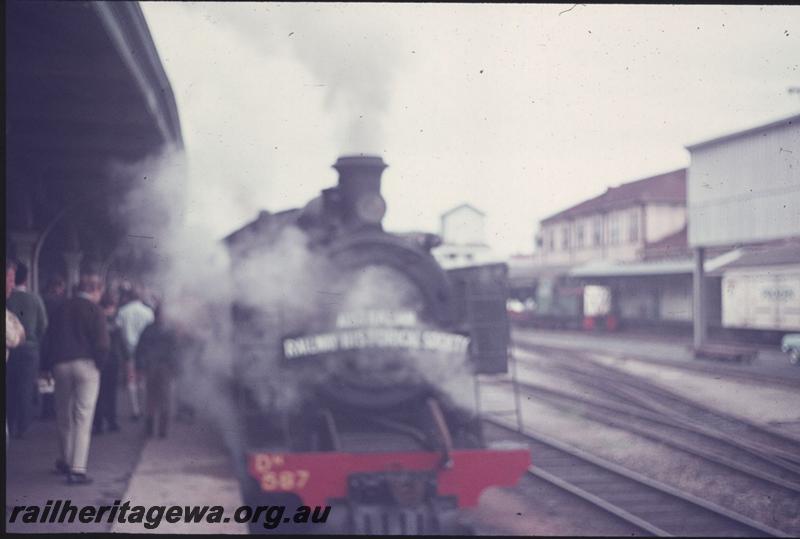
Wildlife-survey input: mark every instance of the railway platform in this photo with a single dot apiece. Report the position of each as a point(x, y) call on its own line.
point(30, 480)
point(190, 467)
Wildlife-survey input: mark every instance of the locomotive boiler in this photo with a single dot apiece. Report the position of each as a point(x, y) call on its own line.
point(355, 362)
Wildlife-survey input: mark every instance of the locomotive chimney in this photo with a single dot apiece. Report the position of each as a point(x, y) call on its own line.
point(360, 189)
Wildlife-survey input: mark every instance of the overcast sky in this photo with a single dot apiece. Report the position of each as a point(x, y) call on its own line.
point(520, 110)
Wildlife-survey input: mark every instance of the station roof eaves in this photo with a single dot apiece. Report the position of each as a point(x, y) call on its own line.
point(754, 257)
point(744, 133)
point(130, 34)
point(530, 269)
point(666, 187)
point(681, 266)
point(610, 269)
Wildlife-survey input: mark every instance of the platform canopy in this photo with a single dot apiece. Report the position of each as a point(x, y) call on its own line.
point(682, 266)
point(85, 89)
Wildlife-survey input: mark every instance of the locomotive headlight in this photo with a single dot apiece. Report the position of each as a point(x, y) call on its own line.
point(371, 208)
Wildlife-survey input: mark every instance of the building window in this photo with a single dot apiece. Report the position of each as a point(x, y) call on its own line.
point(552, 240)
point(633, 230)
point(613, 229)
point(598, 230)
point(565, 238)
point(579, 236)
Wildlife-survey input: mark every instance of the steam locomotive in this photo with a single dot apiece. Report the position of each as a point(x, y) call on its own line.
point(356, 354)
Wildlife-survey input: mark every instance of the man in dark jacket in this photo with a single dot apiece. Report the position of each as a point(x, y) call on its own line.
point(75, 348)
point(23, 363)
point(55, 293)
point(105, 416)
point(157, 356)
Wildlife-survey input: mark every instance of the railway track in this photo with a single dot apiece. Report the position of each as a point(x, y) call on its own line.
point(632, 389)
point(679, 435)
point(649, 505)
point(760, 438)
point(746, 374)
point(743, 451)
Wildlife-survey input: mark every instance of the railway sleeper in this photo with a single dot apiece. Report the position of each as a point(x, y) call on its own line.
point(603, 488)
point(544, 452)
point(594, 479)
point(699, 523)
point(645, 499)
point(696, 517)
point(624, 497)
point(578, 471)
point(660, 510)
point(656, 513)
point(543, 461)
point(639, 505)
point(718, 529)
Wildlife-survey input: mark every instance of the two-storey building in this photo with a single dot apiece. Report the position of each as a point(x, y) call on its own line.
point(617, 225)
point(729, 260)
point(608, 258)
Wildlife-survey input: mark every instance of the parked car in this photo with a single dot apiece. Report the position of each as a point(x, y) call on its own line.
point(791, 346)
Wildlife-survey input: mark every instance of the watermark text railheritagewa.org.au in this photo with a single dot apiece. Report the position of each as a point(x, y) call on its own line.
point(61, 511)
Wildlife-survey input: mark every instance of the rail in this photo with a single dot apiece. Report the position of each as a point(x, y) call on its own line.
point(648, 504)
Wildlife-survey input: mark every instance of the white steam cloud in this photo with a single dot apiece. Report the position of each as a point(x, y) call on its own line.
point(354, 56)
point(357, 61)
point(282, 280)
point(191, 275)
point(352, 52)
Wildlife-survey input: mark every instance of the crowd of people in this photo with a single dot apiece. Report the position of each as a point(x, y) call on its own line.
point(67, 356)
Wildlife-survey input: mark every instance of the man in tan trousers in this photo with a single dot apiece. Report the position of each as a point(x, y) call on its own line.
point(76, 345)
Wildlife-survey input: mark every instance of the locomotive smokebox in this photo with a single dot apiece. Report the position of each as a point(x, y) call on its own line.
point(359, 188)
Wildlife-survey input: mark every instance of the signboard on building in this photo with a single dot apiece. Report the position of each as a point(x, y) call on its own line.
point(762, 298)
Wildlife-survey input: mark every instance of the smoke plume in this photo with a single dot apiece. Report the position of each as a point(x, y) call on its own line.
point(282, 285)
point(352, 51)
